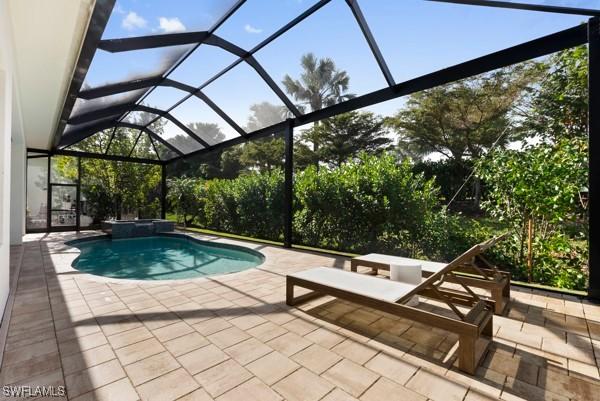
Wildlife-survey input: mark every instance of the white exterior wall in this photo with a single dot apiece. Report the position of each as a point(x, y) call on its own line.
point(18, 163)
point(6, 113)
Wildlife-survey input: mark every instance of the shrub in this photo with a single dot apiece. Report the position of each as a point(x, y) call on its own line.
point(373, 203)
point(250, 205)
point(541, 184)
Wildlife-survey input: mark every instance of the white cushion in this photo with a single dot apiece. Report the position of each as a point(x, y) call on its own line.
point(357, 283)
point(426, 265)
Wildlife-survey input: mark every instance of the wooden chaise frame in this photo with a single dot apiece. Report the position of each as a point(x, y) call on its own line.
point(480, 273)
point(470, 327)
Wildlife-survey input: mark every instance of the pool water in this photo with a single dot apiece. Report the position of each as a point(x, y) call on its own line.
point(161, 258)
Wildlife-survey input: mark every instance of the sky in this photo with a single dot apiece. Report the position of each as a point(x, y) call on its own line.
point(415, 37)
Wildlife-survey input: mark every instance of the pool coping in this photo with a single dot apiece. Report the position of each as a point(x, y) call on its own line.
point(70, 269)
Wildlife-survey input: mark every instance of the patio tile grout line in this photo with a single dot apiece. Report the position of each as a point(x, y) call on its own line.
point(12, 294)
point(251, 308)
point(43, 268)
point(107, 342)
point(211, 343)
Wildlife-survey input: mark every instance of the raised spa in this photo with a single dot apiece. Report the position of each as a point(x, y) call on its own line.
point(162, 257)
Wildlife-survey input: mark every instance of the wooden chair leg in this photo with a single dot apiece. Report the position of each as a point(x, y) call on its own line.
point(466, 354)
point(353, 266)
point(506, 290)
point(499, 300)
point(488, 329)
point(289, 292)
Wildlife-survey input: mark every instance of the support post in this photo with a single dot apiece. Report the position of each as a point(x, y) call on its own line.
point(78, 196)
point(594, 162)
point(163, 192)
point(49, 196)
point(288, 186)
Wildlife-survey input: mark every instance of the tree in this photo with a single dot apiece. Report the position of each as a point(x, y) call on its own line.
point(559, 107)
point(346, 135)
point(539, 186)
point(265, 114)
point(181, 195)
point(264, 154)
point(112, 188)
point(210, 132)
point(463, 119)
point(320, 85)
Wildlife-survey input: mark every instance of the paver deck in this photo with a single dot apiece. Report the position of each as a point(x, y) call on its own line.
point(232, 337)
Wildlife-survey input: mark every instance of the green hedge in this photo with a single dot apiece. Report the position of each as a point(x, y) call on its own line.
point(372, 204)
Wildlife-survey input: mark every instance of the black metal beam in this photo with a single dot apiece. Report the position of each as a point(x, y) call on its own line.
point(307, 13)
point(79, 135)
point(364, 27)
point(213, 28)
point(274, 87)
point(137, 139)
point(200, 95)
point(78, 196)
point(152, 134)
point(314, 8)
point(220, 112)
point(154, 147)
point(100, 113)
point(526, 6)
point(594, 162)
point(168, 116)
point(226, 45)
point(120, 87)
point(215, 40)
point(163, 192)
point(152, 41)
point(288, 185)
point(98, 21)
point(100, 156)
point(112, 136)
point(526, 51)
point(118, 109)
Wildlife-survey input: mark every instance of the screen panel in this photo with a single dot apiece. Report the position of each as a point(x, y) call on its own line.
point(175, 135)
point(239, 104)
point(331, 35)
point(418, 37)
point(201, 119)
point(135, 18)
point(257, 19)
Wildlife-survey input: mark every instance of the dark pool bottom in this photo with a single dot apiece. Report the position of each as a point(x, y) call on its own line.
point(162, 257)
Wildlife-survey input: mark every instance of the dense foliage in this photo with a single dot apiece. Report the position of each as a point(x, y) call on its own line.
point(371, 203)
point(541, 183)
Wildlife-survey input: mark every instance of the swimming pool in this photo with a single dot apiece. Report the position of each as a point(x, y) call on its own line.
point(163, 257)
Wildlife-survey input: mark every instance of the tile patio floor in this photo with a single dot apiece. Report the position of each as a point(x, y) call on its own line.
point(233, 338)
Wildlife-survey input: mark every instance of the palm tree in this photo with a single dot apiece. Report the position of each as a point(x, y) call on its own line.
point(320, 85)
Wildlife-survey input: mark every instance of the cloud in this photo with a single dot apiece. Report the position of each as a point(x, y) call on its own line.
point(118, 9)
point(170, 25)
point(133, 21)
point(250, 29)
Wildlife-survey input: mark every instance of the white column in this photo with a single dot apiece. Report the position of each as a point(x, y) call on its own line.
point(17, 189)
point(6, 90)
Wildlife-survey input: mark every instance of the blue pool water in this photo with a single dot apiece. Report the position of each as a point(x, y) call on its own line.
point(161, 258)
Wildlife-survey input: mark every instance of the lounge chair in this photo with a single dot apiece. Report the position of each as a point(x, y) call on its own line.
point(480, 272)
point(472, 327)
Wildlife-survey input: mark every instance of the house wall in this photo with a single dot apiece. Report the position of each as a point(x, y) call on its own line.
point(17, 184)
point(7, 78)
